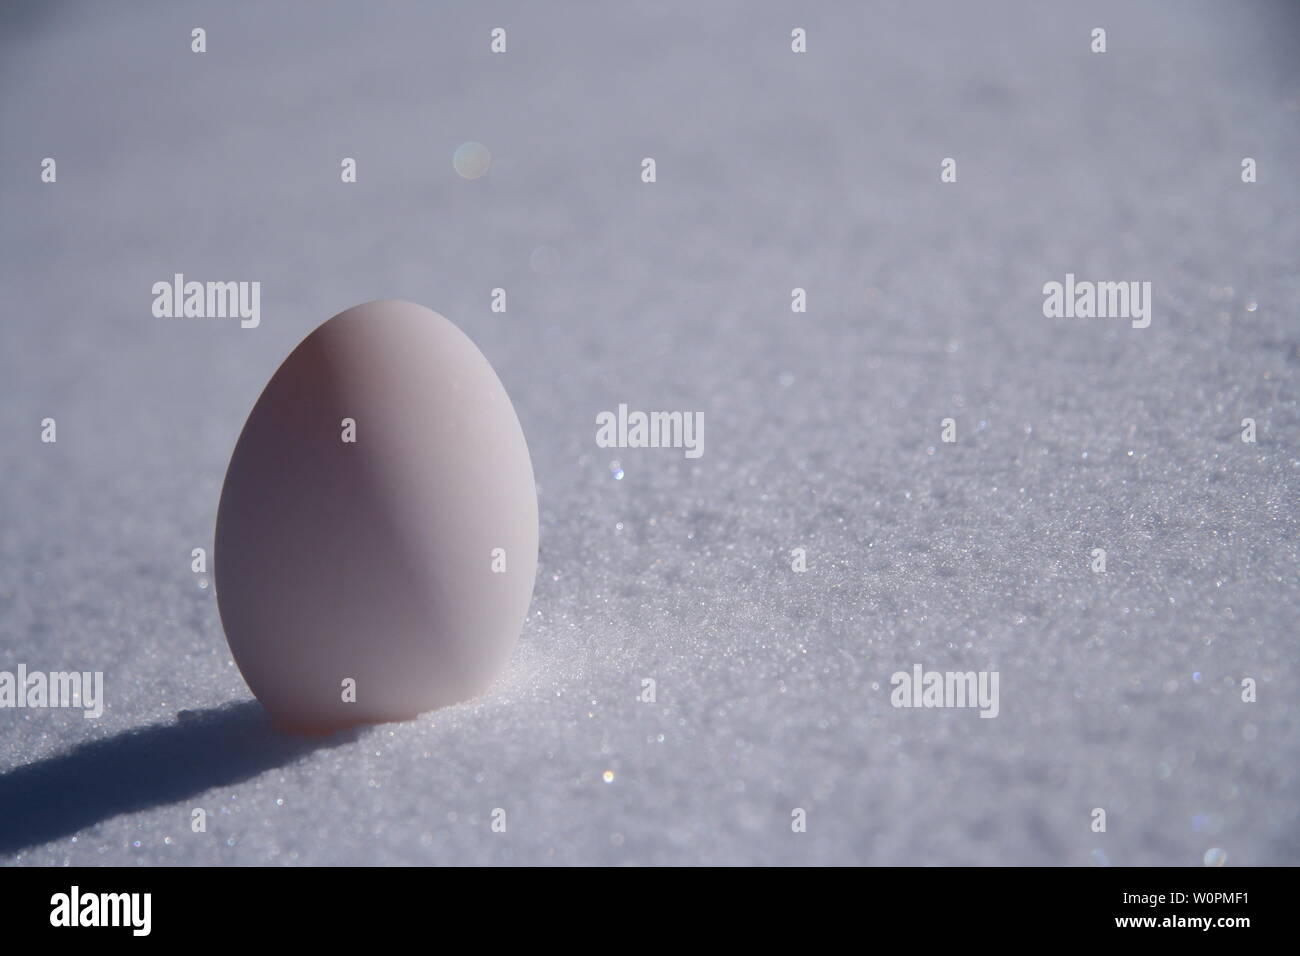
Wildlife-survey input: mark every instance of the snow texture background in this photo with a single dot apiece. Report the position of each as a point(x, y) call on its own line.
point(775, 170)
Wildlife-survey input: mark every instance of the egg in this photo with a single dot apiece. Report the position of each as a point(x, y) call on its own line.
point(376, 538)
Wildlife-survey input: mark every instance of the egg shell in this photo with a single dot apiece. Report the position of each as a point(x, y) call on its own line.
point(373, 561)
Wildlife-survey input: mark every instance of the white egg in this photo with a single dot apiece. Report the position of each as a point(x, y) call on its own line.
point(376, 541)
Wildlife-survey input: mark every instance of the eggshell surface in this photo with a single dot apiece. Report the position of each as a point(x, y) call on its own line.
point(376, 540)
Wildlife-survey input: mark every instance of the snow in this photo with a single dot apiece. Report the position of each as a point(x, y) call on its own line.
point(1119, 690)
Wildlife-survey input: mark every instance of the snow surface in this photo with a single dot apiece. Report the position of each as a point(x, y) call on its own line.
point(775, 170)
